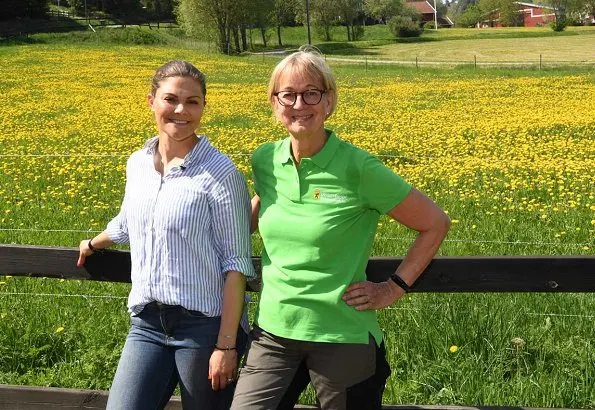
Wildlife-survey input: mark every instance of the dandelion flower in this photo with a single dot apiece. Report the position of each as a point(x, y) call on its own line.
point(60, 329)
point(453, 349)
point(518, 342)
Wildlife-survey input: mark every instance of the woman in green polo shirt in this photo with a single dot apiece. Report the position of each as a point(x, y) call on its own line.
point(317, 204)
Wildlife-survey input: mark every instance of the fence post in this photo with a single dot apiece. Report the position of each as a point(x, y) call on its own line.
point(416, 65)
point(475, 61)
point(539, 61)
point(366, 63)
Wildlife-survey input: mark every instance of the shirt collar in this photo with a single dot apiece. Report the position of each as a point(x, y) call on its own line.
point(324, 156)
point(321, 158)
point(195, 154)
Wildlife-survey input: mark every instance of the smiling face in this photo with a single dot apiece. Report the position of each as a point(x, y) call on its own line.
point(301, 120)
point(178, 105)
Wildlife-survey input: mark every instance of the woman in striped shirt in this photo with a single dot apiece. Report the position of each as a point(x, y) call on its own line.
point(186, 216)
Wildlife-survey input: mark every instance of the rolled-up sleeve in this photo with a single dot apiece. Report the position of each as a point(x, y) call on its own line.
point(117, 228)
point(230, 205)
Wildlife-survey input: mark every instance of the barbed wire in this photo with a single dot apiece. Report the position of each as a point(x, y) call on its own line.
point(244, 154)
point(63, 295)
point(231, 154)
point(49, 230)
point(252, 302)
point(495, 242)
point(402, 238)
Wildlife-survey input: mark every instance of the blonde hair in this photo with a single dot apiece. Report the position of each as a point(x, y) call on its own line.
point(178, 68)
point(309, 62)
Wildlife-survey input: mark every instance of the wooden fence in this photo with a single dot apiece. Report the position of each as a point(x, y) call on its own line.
point(444, 274)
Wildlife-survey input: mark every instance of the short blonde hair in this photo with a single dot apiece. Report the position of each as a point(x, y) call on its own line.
point(306, 61)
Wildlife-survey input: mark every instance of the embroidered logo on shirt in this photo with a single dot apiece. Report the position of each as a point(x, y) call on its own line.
point(329, 196)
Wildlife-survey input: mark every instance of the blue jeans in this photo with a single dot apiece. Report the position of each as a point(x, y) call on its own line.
point(168, 345)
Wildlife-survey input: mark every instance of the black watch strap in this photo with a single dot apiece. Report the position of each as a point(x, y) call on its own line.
point(400, 282)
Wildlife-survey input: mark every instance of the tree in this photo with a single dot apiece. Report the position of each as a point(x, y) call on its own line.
point(323, 15)
point(507, 9)
point(117, 8)
point(213, 20)
point(350, 12)
point(283, 14)
point(260, 15)
point(470, 17)
point(160, 9)
point(565, 8)
point(383, 10)
point(461, 7)
point(13, 9)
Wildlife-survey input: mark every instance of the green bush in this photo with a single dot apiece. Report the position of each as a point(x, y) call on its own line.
point(429, 25)
point(559, 24)
point(402, 26)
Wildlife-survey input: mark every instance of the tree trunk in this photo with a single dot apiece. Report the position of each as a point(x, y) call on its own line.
point(327, 32)
point(279, 36)
point(223, 39)
point(236, 39)
point(263, 31)
point(348, 32)
point(244, 39)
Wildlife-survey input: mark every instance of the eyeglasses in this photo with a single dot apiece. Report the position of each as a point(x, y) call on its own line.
point(309, 97)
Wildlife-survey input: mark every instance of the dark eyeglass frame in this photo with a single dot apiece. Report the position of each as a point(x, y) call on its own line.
point(322, 92)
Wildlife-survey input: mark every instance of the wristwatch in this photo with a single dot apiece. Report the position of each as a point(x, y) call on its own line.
point(400, 282)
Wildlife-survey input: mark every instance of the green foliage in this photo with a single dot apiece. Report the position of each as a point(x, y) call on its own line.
point(429, 25)
point(559, 24)
point(383, 10)
point(357, 32)
point(160, 9)
point(460, 7)
point(117, 8)
point(123, 36)
point(403, 26)
point(470, 17)
point(17, 9)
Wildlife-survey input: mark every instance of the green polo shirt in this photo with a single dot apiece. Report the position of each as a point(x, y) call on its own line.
point(317, 222)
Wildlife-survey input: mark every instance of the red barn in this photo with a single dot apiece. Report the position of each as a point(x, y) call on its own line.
point(427, 12)
point(530, 15)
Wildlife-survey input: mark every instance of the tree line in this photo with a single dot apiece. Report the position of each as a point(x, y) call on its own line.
point(229, 23)
point(127, 9)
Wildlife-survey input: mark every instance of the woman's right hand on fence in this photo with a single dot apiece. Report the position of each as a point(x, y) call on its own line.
point(84, 251)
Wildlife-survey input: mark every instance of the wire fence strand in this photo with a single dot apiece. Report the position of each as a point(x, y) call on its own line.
point(382, 238)
point(252, 302)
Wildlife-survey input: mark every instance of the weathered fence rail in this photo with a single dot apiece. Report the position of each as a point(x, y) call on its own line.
point(444, 274)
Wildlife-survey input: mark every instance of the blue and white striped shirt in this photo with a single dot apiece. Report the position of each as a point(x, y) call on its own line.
point(185, 229)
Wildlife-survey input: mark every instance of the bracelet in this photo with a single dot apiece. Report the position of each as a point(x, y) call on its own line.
point(400, 282)
point(225, 349)
point(90, 245)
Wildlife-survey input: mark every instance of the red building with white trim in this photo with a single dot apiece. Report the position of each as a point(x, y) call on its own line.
point(427, 12)
point(533, 15)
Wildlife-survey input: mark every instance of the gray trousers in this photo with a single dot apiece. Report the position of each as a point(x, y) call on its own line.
point(341, 373)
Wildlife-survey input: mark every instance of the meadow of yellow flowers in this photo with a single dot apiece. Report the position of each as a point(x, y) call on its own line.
point(510, 155)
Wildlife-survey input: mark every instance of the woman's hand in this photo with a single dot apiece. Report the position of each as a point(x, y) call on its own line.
point(223, 368)
point(369, 295)
point(84, 251)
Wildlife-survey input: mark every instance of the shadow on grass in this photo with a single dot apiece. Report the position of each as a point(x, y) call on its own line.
point(366, 48)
